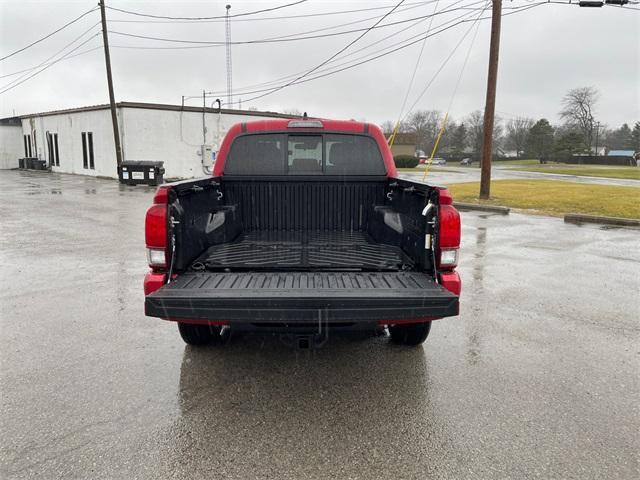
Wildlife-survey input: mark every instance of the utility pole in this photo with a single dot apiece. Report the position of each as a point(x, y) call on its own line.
point(490, 104)
point(597, 131)
point(112, 100)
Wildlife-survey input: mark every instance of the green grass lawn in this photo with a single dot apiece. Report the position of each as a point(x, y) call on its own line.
point(420, 169)
point(632, 173)
point(509, 163)
point(553, 197)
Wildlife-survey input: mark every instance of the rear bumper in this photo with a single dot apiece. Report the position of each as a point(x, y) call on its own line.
point(302, 298)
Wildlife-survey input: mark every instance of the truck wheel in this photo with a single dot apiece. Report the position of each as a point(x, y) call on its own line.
point(198, 334)
point(411, 334)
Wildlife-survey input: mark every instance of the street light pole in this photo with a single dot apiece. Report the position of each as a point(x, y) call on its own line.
point(490, 104)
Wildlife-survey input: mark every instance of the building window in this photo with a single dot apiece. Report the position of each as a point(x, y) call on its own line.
point(85, 162)
point(87, 150)
point(52, 160)
point(52, 145)
point(27, 146)
point(55, 149)
point(92, 164)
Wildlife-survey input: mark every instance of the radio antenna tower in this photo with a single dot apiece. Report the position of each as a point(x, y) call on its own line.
point(227, 23)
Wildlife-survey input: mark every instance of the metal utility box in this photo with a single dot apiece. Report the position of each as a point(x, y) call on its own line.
point(143, 172)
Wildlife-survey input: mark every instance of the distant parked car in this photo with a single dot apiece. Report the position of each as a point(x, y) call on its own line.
point(436, 161)
point(466, 161)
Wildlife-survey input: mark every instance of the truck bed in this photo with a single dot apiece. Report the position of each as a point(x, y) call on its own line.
point(256, 297)
point(277, 250)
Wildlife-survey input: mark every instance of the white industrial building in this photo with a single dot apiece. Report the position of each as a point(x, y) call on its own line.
point(80, 140)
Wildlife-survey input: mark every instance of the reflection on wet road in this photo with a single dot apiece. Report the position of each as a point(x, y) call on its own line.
point(537, 377)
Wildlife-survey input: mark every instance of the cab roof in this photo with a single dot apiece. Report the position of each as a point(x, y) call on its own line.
point(305, 125)
point(295, 124)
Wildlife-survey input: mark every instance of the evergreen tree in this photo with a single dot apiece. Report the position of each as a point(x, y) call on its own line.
point(540, 141)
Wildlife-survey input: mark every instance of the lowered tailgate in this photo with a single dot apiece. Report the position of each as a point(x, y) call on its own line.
point(301, 296)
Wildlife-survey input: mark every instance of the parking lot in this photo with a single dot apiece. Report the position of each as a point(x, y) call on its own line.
point(537, 378)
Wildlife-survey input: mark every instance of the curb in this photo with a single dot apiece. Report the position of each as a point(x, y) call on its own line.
point(621, 222)
point(482, 208)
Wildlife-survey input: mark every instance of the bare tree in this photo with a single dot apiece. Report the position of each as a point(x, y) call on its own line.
point(578, 110)
point(475, 127)
point(389, 126)
point(475, 122)
point(425, 124)
point(517, 133)
point(292, 111)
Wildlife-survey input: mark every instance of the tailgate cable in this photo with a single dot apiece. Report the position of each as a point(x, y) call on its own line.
point(430, 239)
point(173, 249)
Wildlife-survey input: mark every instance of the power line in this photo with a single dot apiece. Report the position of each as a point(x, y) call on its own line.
point(244, 14)
point(464, 66)
point(285, 17)
point(353, 65)
point(409, 44)
point(248, 89)
point(324, 29)
point(31, 69)
point(51, 34)
point(357, 61)
point(331, 57)
point(444, 63)
point(289, 76)
point(418, 20)
point(52, 56)
point(415, 70)
point(286, 38)
point(3, 89)
point(368, 46)
point(348, 67)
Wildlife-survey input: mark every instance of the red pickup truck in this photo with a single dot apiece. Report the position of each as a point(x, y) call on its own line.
point(304, 226)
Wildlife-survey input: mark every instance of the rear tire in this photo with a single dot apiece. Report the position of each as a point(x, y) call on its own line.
point(198, 334)
point(410, 334)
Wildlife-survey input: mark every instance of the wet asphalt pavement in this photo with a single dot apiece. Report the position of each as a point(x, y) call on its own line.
point(537, 378)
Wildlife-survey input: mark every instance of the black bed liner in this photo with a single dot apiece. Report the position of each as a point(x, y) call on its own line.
point(301, 297)
point(277, 250)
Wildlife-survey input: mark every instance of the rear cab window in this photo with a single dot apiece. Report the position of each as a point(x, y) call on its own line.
point(325, 154)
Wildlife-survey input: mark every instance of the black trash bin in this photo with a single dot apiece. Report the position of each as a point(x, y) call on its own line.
point(21, 163)
point(38, 164)
point(141, 172)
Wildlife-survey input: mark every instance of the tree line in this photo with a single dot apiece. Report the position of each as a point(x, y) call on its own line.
point(579, 132)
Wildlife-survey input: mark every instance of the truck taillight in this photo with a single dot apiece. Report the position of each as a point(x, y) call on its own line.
point(449, 233)
point(155, 230)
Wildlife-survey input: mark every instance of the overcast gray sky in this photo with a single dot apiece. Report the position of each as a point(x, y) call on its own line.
point(545, 51)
